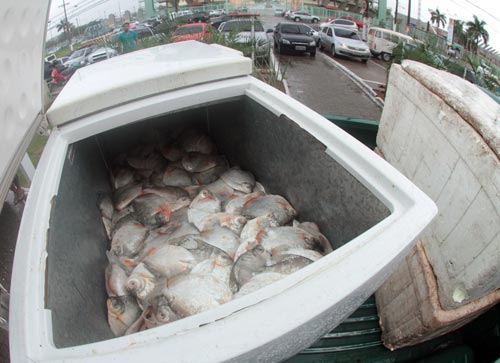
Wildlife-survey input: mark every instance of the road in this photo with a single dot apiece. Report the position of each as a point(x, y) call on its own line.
point(317, 83)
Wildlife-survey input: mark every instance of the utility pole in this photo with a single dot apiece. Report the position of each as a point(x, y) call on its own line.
point(395, 26)
point(68, 28)
point(409, 13)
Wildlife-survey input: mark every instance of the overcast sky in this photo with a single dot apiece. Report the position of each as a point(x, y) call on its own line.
point(459, 9)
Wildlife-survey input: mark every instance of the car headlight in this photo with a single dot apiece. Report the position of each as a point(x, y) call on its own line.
point(343, 45)
point(82, 63)
point(285, 41)
point(312, 43)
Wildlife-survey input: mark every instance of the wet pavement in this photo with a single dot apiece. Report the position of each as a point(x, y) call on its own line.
point(318, 84)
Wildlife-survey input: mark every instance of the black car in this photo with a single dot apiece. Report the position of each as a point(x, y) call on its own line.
point(295, 38)
point(216, 22)
point(200, 17)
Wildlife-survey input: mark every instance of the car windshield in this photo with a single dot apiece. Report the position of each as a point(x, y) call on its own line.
point(346, 33)
point(189, 30)
point(294, 29)
point(242, 26)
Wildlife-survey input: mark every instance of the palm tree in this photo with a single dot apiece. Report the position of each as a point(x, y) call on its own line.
point(438, 18)
point(459, 34)
point(476, 30)
point(67, 27)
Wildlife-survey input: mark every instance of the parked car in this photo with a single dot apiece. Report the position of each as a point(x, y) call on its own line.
point(216, 22)
point(278, 12)
point(382, 41)
point(101, 54)
point(303, 16)
point(295, 38)
point(242, 31)
point(216, 12)
point(343, 41)
point(287, 13)
point(340, 23)
point(200, 17)
point(359, 23)
point(79, 57)
point(195, 31)
point(314, 33)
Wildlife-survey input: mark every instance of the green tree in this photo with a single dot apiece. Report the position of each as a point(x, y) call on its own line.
point(476, 30)
point(459, 34)
point(67, 27)
point(438, 18)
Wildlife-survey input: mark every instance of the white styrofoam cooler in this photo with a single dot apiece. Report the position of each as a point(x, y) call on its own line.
point(268, 325)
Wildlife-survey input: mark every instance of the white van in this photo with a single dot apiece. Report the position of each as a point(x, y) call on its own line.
point(381, 41)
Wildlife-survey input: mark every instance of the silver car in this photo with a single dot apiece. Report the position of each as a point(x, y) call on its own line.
point(342, 41)
point(303, 16)
point(101, 54)
point(240, 31)
point(344, 23)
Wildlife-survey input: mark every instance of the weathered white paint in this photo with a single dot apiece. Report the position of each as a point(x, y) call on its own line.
point(443, 133)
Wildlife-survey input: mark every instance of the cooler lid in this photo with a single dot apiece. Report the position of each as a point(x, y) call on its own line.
point(144, 73)
point(21, 61)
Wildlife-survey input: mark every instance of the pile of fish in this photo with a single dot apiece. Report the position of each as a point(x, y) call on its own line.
point(189, 233)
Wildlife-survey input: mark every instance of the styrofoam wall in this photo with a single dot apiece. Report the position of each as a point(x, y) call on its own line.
point(426, 139)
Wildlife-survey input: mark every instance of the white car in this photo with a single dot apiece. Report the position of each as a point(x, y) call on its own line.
point(302, 16)
point(217, 12)
point(101, 54)
point(344, 23)
point(242, 31)
point(343, 41)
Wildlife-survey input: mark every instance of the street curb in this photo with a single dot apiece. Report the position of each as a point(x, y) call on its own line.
point(277, 68)
point(357, 80)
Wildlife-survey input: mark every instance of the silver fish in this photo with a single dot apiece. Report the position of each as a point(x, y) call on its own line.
point(198, 248)
point(119, 215)
point(313, 229)
point(122, 177)
point(161, 313)
point(176, 177)
point(289, 264)
point(235, 205)
point(212, 174)
point(309, 254)
point(169, 260)
point(253, 231)
point(140, 323)
point(196, 162)
point(128, 239)
point(154, 210)
point(105, 204)
point(141, 282)
point(123, 311)
point(203, 205)
point(194, 293)
point(222, 238)
point(116, 277)
point(126, 194)
point(275, 204)
point(193, 141)
point(219, 266)
point(108, 226)
point(169, 193)
point(277, 240)
point(238, 179)
point(259, 188)
point(248, 265)
point(150, 162)
point(172, 153)
point(233, 222)
point(222, 191)
point(258, 282)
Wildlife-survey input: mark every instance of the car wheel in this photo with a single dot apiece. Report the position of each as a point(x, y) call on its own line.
point(313, 53)
point(364, 61)
point(315, 20)
point(297, 19)
point(333, 51)
point(386, 57)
